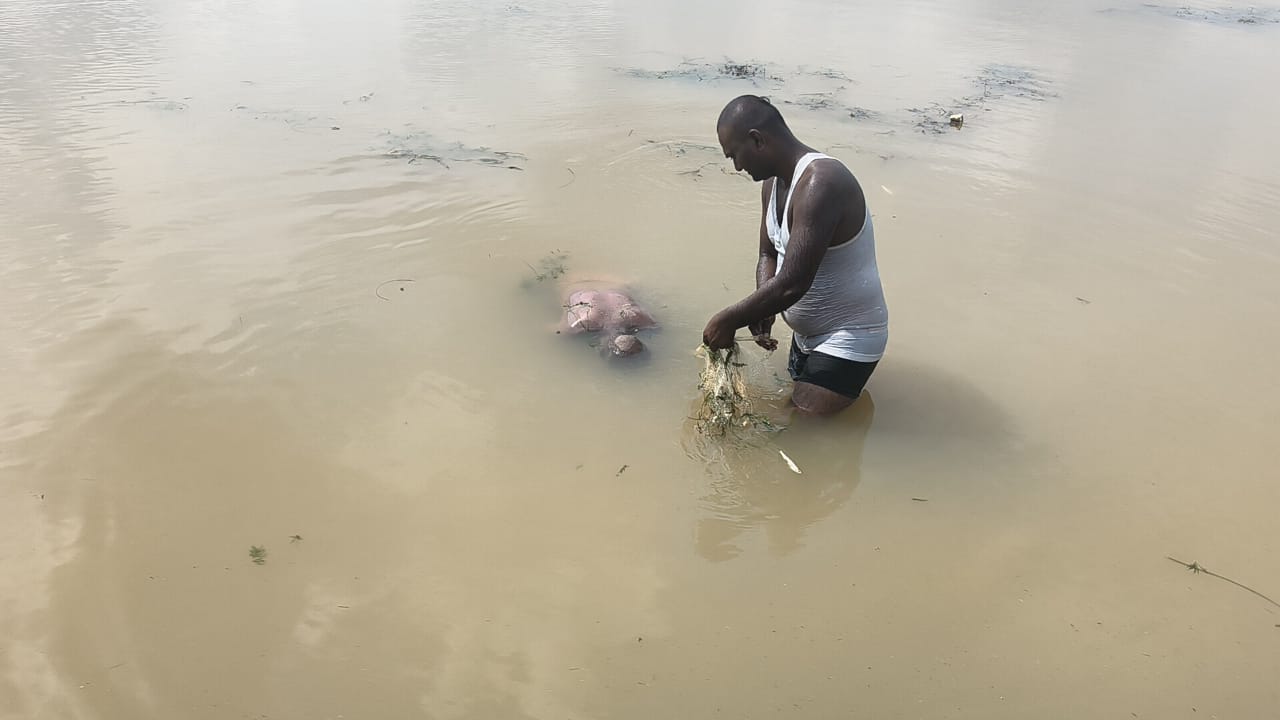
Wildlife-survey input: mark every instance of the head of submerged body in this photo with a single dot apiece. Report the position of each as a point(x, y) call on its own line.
point(754, 136)
point(623, 346)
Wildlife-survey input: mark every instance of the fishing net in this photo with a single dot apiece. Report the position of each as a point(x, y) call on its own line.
point(724, 391)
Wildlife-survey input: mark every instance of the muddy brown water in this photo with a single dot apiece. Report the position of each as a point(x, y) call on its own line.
point(204, 200)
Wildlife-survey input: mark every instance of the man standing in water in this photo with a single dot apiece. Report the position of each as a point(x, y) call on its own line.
point(817, 261)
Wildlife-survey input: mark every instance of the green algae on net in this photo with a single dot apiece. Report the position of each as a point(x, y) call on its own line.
point(724, 403)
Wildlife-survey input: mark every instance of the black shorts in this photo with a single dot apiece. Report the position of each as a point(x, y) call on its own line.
point(845, 377)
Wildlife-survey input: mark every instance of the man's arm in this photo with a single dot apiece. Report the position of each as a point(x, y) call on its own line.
point(816, 208)
point(766, 268)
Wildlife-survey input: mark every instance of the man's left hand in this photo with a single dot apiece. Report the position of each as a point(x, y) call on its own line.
point(761, 333)
point(718, 333)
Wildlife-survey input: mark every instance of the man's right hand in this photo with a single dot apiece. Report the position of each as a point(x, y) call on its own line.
point(760, 332)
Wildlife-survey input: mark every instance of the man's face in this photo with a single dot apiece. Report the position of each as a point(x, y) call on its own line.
point(743, 149)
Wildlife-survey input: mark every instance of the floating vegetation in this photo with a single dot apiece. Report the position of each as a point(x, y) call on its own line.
point(820, 101)
point(933, 118)
point(1219, 16)
point(735, 407)
point(551, 267)
point(696, 173)
point(159, 103)
point(824, 95)
point(824, 91)
point(1196, 567)
point(815, 101)
point(414, 156)
point(706, 72)
point(291, 118)
point(998, 82)
point(258, 554)
point(742, 70)
point(675, 148)
point(829, 73)
point(994, 84)
point(416, 147)
point(724, 391)
point(831, 79)
point(683, 147)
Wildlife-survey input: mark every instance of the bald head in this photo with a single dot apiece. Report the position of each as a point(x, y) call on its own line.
point(750, 112)
point(753, 134)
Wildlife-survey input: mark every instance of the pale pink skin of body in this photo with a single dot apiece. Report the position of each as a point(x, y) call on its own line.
point(607, 310)
point(612, 312)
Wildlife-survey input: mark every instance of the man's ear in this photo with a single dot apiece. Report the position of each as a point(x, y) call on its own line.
point(757, 138)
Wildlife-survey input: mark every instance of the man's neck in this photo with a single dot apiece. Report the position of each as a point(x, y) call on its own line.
point(791, 155)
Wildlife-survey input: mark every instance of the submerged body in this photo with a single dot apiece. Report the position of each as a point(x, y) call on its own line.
point(611, 312)
point(608, 310)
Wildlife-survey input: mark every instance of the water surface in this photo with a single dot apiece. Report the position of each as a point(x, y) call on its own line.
point(201, 353)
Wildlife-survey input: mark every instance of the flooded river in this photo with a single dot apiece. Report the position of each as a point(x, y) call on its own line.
point(287, 431)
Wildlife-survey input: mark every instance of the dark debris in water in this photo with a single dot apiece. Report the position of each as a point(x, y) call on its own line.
point(734, 70)
point(828, 73)
point(706, 72)
point(816, 101)
point(992, 85)
point(697, 173)
point(1002, 81)
point(363, 98)
point(827, 101)
point(1219, 16)
point(158, 103)
point(742, 70)
point(294, 119)
point(932, 118)
point(552, 266)
point(413, 156)
point(422, 147)
point(684, 147)
point(995, 84)
point(827, 83)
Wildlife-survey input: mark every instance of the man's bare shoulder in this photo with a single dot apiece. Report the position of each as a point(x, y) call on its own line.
point(825, 183)
point(832, 176)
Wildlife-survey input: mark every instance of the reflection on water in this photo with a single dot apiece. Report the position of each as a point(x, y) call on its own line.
point(273, 270)
point(754, 489)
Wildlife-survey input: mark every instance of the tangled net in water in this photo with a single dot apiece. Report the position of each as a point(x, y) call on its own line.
point(724, 391)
